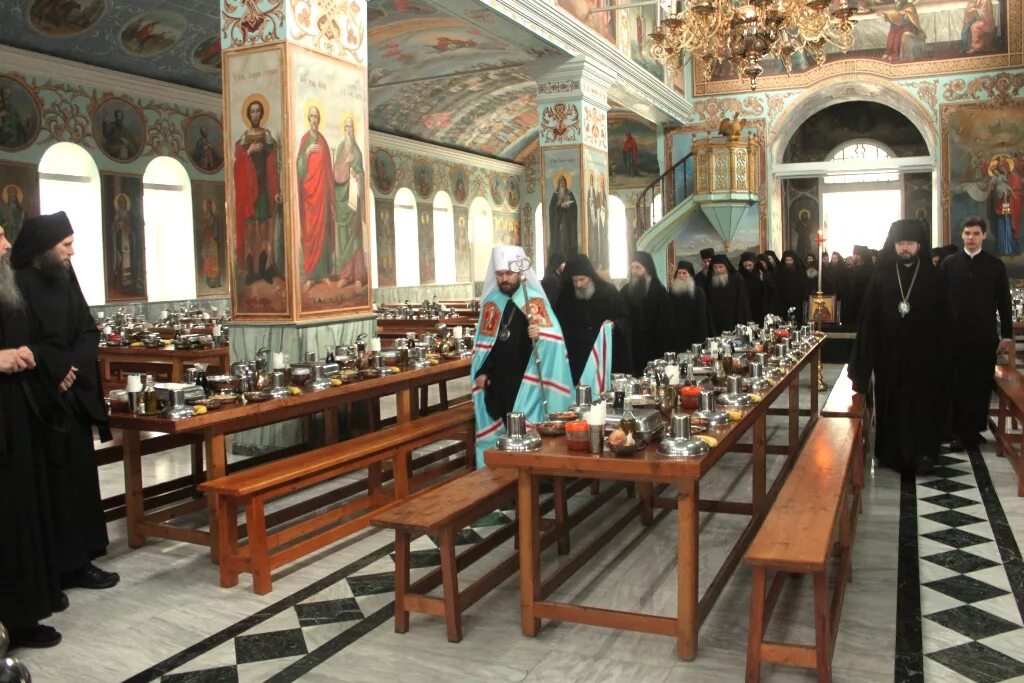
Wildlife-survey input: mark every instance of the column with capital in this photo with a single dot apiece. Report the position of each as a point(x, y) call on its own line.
point(572, 112)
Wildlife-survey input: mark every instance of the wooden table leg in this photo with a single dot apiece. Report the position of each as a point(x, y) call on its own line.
point(133, 508)
point(177, 370)
point(645, 491)
point(755, 628)
point(528, 512)
point(687, 622)
point(450, 579)
point(822, 627)
point(759, 464)
point(794, 416)
point(331, 425)
point(405, 402)
point(812, 382)
point(216, 467)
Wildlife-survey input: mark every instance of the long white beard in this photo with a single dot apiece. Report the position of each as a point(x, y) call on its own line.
point(719, 280)
point(11, 300)
point(586, 292)
point(683, 287)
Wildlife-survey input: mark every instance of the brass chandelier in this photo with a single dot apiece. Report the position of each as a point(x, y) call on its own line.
point(743, 32)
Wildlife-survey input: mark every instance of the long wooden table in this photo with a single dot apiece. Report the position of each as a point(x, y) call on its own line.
point(219, 359)
point(650, 469)
point(217, 424)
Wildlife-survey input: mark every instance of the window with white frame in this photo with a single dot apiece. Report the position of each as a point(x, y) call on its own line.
point(407, 240)
point(481, 229)
point(444, 240)
point(618, 243)
point(169, 238)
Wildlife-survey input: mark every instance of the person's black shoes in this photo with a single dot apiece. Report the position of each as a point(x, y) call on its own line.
point(89, 576)
point(62, 604)
point(34, 637)
point(925, 466)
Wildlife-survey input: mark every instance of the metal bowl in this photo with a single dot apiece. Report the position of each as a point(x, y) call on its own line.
point(223, 384)
point(551, 428)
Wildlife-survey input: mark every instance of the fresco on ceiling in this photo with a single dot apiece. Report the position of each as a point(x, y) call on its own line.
point(426, 242)
point(210, 238)
point(632, 151)
point(19, 114)
point(423, 178)
point(595, 205)
point(900, 39)
point(330, 28)
point(119, 129)
point(255, 115)
point(601, 22)
point(152, 33)
point(383, 171)
point(634, 25)
point(459, 184)
point(206, 55)
point(512, 192)
point(492, 113)
point(331, 157)
point(497, 185)
point(562, 192)
point(829, 128)
point(982, 172)
point(385, 226)
point(204, 142)
point(61, 19)
point(463, 247)
point(19, 196)
point(124, 244)
point(251, 23)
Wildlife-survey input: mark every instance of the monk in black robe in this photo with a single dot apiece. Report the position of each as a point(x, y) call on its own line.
point(690, 322)
point(704, 275)
point(833, 275)
point(647, 302)
point(585, 303)
point(64, 338)
point(855, 285)
point(727, 295)
point(759, 292)
point(901, 340)
point(552, 281)
point(29, 579)
point(791, 284)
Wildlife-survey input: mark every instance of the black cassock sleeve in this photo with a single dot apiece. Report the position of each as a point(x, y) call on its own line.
point(862, 359)
point(1002, 297)
point(742, 302)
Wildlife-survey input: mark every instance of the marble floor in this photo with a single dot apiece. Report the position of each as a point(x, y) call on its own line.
point(937, 595)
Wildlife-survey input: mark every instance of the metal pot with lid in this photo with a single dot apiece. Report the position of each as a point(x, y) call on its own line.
point(518, 439)
point(682, 444)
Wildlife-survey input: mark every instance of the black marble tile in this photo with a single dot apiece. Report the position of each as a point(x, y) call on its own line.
point(961, 561)
point(328, 612)
point(972, 622)
point(419, 559)
point(372, 584)
point(953, 518)
point(222, 674)
point(492, 519)
point(947, 472)
point(948, 500)
point(966, 588)
point(947, 485)
point(259, 647)
point(956, 459)
point(979, 663)
point(909, 664)
point(956, 538)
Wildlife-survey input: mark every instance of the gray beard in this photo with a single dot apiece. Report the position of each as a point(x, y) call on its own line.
point(720, 280)
point(640, 284)
point(586, 292)
point(11, 300)
point(685, 287)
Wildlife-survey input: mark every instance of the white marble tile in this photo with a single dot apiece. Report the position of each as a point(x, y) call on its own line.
point(564, 666)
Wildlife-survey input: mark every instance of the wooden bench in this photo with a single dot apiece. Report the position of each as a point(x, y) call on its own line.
point(817, 503)
point(1009, 385)
point(843, 401)
point(384, 486)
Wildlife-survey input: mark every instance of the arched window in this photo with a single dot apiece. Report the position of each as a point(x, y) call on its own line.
point(444, 240)
point(618, 243)
point(851, 152)
point(70, 182)
point(481, 229)
point(170, 243)
point(407, 240)
point(656, 209)
point(539, 257)
point(372, 212)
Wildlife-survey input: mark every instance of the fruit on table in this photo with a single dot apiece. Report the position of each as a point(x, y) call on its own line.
point(199, 410)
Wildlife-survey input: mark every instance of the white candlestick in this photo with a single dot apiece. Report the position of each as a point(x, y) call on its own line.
point(134, 383)
point(278, 361)
point(821, 244)
point(375, 344)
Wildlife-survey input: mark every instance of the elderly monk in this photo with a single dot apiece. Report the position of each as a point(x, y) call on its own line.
point(690, 322)
point(649, 310)
point(519, 359)
point(727, 295)
point(63, 337)
point(29, 580)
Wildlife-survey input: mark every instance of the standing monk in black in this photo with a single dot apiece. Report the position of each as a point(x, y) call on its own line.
point(29, 580)
point(901, 341)
point(727, 295)
point(704, 276)
point(647, 301)
point(552, 282)
point(64, 339)
point(759, 292)
point(585, 303)
point(791, 285)
point(976, 287)
point(690, 322)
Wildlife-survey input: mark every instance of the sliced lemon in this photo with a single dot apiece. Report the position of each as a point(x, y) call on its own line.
point(199, 410)
point(709, 440)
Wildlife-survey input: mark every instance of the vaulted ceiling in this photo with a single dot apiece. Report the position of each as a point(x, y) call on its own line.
point(444, 71)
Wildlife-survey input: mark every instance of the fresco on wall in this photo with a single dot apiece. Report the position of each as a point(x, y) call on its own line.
point(506, 228)
point(512, 192)
point(982, 171)
point(124, 242)
point(900, 39)
point(423, 178)
point(802, 216)
point(19, 114)
point(256, 196)
point(56, 19)
point(330, 182)
point(385, 242)
point(562, 207)
point(19, 196)
point(426, 242)
point(460, 184)
point(595, 205)
point(119, 129)
point(603, 23)
point(632, 151)
point(210, 234)
point(152, 33)
point(204, 142)
point(206, 55)
point(383, 171)
point(463, 247)
point(634, 25)
point(917, 197)
point(829, 128)
point(497, 185)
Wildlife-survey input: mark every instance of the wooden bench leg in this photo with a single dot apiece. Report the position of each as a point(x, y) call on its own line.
point(401, 580)
point(561, 515)
point(595, 487)
point(756, 626)
point(442, 390)
point(646, 492)
point(227, 511)
point(259, 554)
point(822, 627)
point(450, 581)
